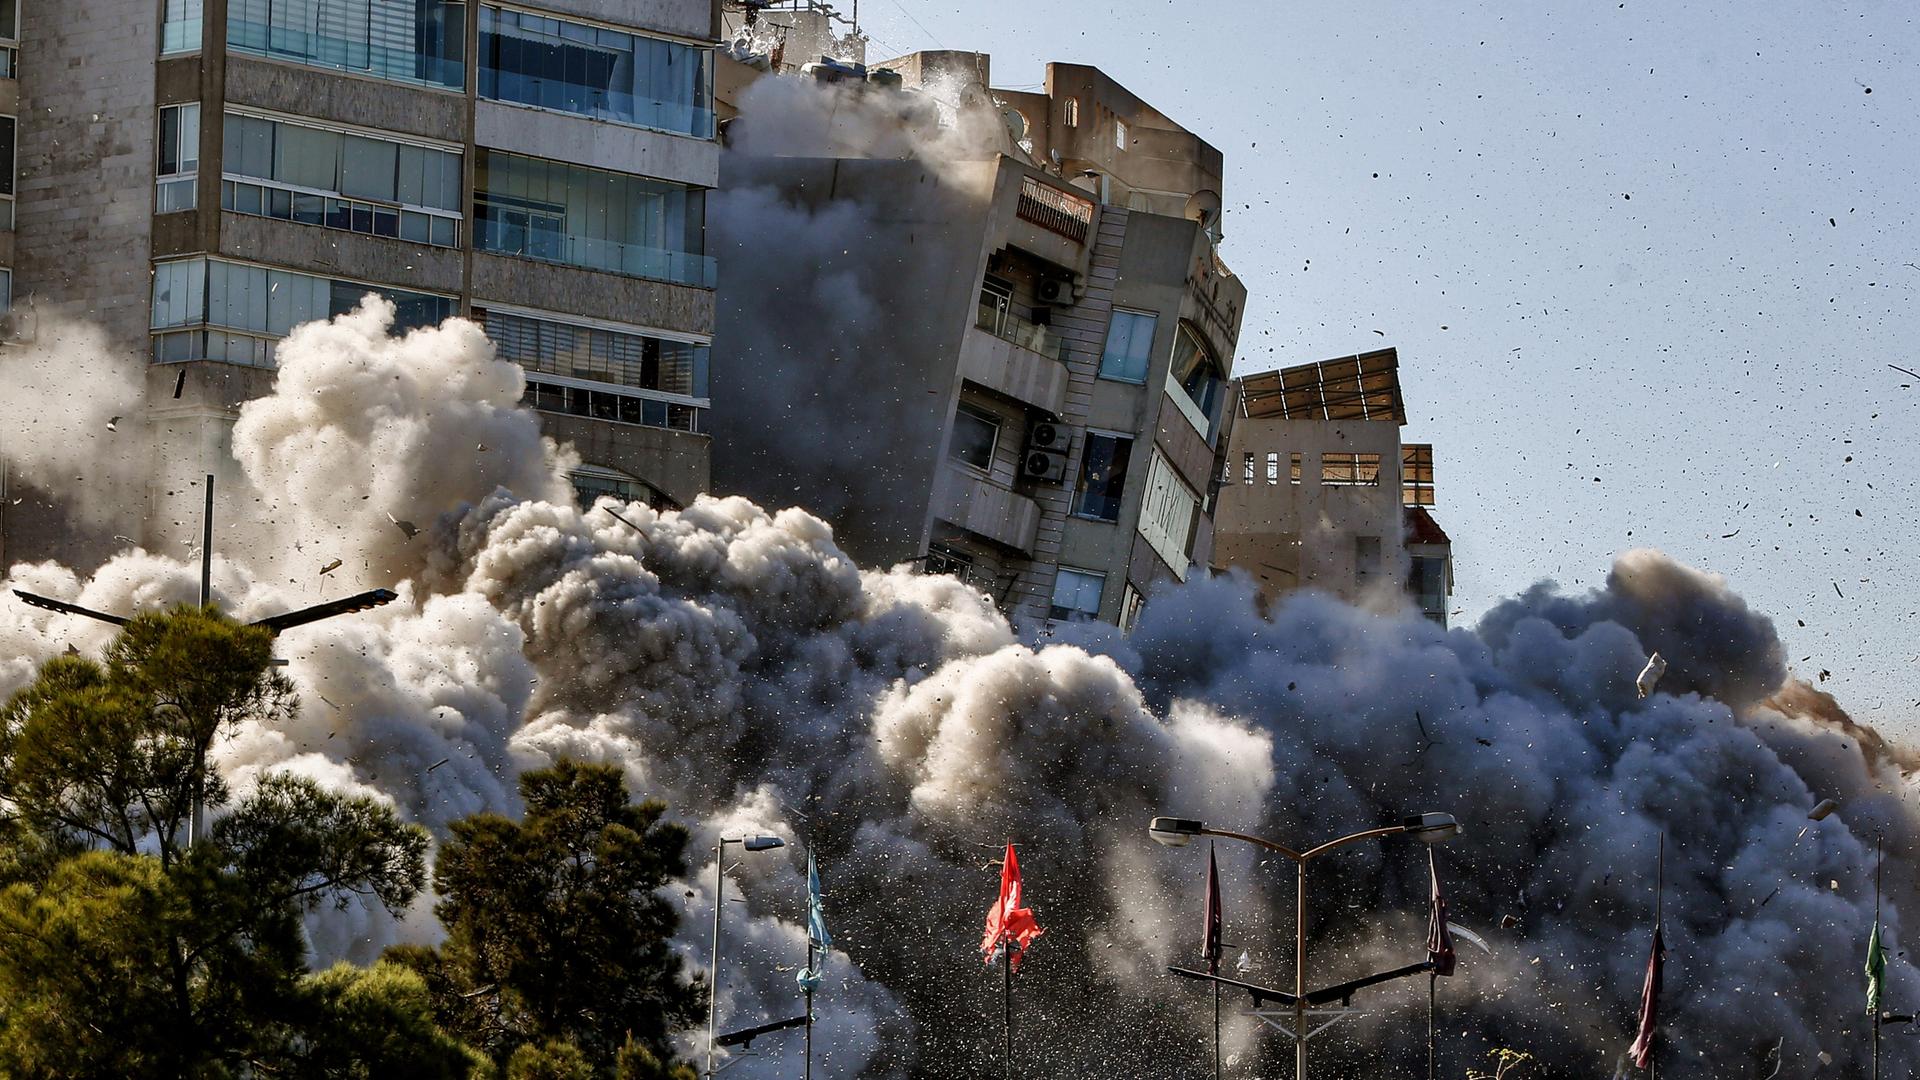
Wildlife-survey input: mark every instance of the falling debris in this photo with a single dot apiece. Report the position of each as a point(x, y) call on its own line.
point(1820, 812)
point(1508, 922)
point(334, 565)
point(113, 423)
point(437, 764)
point(71, 651)
point(407, 527)
point(1650, 675)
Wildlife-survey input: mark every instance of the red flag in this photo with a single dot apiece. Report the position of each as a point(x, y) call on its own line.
point(1439, 938)
point(1642, 1049)
point(1210, 936)
point(1008, 923)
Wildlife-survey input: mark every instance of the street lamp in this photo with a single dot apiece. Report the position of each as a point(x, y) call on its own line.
point(748, 843)
point(1179, 832)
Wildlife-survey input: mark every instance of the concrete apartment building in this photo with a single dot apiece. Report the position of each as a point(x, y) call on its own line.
point(1026, 383)
point(197, 176)
point(1319, 492)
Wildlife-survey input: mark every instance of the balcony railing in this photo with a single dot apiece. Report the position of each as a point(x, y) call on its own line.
point(1054, 210)
point(999, 320)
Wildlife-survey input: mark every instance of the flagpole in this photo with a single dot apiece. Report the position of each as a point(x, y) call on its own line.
point(1659, 926)
point(1876, 930)
point(1216, 1031)
point(1433, 980)
point(808, 1070)
point(1006, 1004)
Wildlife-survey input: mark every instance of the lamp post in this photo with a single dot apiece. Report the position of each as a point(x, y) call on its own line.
point(1178, 832)
point(748, 843)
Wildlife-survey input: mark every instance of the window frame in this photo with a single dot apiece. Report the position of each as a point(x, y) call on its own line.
point(1119, 134)
point(706, 118)
point(179, 178)
point(1145, 359)
point(1054, 609)
point(991, 419)
point(1123, 457)
point(1201, 415)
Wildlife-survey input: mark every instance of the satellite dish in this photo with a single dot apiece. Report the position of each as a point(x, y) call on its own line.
point(1016, 123)
point(1203, 207)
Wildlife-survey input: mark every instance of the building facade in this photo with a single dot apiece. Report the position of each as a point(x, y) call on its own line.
point(1320, 493)
point(1022, 379)
point(198, 176)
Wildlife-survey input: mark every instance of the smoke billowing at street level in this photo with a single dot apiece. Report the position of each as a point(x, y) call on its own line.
point(736, 663)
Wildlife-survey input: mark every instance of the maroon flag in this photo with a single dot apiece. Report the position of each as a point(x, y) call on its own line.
point(1642, 1049)
point(1009, 924)
point(1439, 938)
point(1210, 936)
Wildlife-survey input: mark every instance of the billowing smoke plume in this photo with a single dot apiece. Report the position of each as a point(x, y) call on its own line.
point(735, 662)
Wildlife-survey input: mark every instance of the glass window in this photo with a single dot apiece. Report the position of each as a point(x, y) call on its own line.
point(1129, 346)
point(177, 147)
point(1131, 603)
point(1119, 133)
point(7, 127)
point(10, 19)
point(595, 71)
point(6, 293)
point(1103, 476)
point(1167, 509)
point(975, 434)
point(601, 220)
point(179, 25)
point(1076, 595)
point(1072, 112)
point(279, 158)
point(1366, 560)
point(261, 304)
point(1193, 380)
point(582, 352)
point(418, 41)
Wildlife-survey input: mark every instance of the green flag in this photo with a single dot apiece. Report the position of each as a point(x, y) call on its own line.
point(1876, 970)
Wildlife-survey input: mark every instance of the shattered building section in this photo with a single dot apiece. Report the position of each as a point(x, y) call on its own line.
point(1318, 492)
point(995, 340)
point(198, 179)
point(738, 664)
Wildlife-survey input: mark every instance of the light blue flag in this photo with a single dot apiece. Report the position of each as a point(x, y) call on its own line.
point(817, 936)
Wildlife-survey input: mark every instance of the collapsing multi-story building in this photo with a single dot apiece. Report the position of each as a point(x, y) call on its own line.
point(1319, 492)
point(981, 329)
point(198, 176)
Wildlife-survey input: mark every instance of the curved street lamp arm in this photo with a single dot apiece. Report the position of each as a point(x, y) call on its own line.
point(1368, 834)
point(1257, 842)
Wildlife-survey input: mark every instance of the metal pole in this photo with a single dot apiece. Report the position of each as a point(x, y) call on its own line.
point(1432, 981)
point(197, 813)
point(1216, 1031)
point(1300, 975)
point(808, 1072)
point(713, 963)
point(1876, 929)
point(206, 547)
point(1006, 997)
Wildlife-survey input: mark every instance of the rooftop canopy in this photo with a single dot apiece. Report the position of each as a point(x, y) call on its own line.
point(1363, 387)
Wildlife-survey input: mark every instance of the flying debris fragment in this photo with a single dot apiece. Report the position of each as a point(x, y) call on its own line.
point(407, 527)
point(1820, 811)
point(1650, 675)
point(330, 567)
point(113, 423)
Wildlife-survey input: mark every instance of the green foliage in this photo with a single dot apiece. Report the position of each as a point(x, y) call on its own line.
point(110, 755)
point(124, 952)
point(555, 931)
point(368, 1023)
point(555, 1060)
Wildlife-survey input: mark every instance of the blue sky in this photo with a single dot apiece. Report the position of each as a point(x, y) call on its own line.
point(1646, 264)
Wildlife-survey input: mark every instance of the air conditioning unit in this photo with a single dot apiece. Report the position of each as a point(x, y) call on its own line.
point(1045, 457)
point(1056, 291)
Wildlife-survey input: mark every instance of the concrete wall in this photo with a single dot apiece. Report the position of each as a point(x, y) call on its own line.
point(1304, 535)
point(676, 462)
point(562, 136)
point(84, 192)
point(681, 18)
point(845, 289)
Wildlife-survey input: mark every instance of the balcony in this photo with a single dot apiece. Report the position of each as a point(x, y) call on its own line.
point(996, 317)
point(1054, 210)
point(986, 509)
